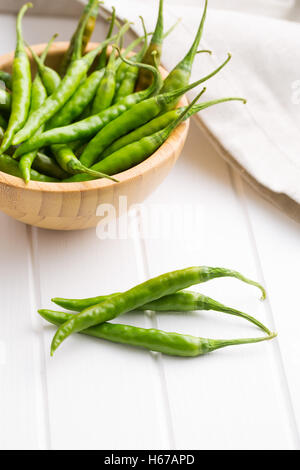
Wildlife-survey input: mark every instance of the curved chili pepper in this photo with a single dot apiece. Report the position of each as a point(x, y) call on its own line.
point(145, 77)
point(142, 294)
point(172, 344)
point(80, 38)
point(183, 301)
point(69, 84)
point(10, 166)
point(21, 86)
point(90, 126)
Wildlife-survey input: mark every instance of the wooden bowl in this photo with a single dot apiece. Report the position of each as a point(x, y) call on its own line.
point(73, 206)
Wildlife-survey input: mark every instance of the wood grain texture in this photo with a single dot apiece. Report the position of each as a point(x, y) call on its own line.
point(73, 206)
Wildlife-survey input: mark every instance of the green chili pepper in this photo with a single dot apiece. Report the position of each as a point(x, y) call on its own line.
point(106, 90)
point(69, 84)
point(80, 36)
point(142, 294)
point(80, 99)
point(160, 123)
point(145, 77)
point(21, 86)
point(184, 301)
point(50, 78)
point(5, 101)
point(38, 97)
point(88, 127)
point(46, 165)
point(69, 162)
point(10, 166)
point(6, 78)
point(136, 116)
point(173, 344)
point(180, 75)
point(103, 55)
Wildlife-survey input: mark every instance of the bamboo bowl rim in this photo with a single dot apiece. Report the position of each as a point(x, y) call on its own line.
point(156, 159)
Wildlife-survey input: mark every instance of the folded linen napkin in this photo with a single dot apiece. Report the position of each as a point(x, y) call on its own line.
point(261, 139)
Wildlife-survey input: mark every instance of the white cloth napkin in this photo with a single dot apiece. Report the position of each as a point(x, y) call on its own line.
point(261, 138)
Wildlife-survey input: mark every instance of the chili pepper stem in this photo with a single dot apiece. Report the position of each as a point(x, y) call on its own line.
point(157, 82)
point(189, 58)
point(20, 44)
point(223, 343)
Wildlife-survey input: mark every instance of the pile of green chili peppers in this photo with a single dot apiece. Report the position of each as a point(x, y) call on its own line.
point(99, 114)
point(160, 294)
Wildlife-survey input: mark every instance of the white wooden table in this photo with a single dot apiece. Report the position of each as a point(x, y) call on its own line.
point(98, 395)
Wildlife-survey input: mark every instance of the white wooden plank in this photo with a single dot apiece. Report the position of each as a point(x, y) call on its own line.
point(101, 396)
point(278, 248)
point(225, 400)
point(22, 413)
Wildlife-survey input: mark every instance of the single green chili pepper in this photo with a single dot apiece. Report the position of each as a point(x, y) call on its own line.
point(172, 344)
point(160, 123)
point(38, 97)
point(142, 294)
point(3, 122)
point(180, 75)
point(183, 301)
point(5, 101)
point(78, 35)
point(90, 126)
point(145, 77)
point(136, 116)
point(10, 166)
point(6, 78)
point(127, 86)
point(69, 84)
point(103, 55)
point(50, 78)
point(106, 90)
point(21, 86)
point(69, 162)
point(79, 100)
point(47, 166)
